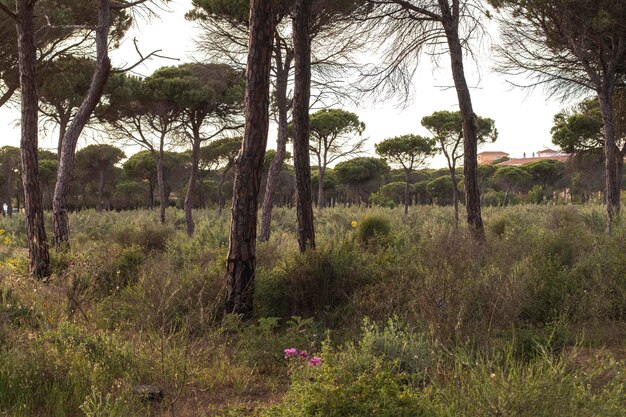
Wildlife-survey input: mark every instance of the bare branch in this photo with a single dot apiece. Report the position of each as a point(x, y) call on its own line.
point(142, 58)
point(126, 5)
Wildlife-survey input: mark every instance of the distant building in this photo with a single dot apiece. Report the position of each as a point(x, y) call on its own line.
point(488, 157)
point(539, 156)
point(548, 153)
point(524, 161)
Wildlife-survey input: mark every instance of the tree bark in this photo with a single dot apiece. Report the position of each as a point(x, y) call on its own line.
point(611, 164)
point(241, 260)
point(469, 122)
point(282, 79)
point(39, 257)
point(195, 162)
point(68, 147)
point(302, 94)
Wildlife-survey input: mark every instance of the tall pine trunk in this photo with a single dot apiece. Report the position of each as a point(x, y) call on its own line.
point(283, 67)
point(301, 97)
point(195, 162)
point(39, 257)
point(241, 260)
point(611, 165)
point(407, 195)
point(68, 147)
point(469, 122)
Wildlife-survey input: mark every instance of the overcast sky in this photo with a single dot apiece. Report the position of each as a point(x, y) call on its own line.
point(523, 117)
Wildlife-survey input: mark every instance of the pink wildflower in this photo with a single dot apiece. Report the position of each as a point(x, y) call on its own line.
point(290, 352)
point(304, 355)
point(315, 361)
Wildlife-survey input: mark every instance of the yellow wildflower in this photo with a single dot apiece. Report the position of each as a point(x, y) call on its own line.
point(354, 223)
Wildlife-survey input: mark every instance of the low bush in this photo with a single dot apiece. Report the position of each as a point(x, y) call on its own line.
point(368, 379)
point(318, 282)
point(372, 228)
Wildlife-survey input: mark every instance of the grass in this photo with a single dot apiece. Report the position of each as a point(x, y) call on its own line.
point(409, 315)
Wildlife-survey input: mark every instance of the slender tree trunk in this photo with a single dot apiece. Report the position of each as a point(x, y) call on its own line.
point(161, 185)
point(195, 162)
point(321, 203)
point(455, 196)
point(68, 148)
point(9, 93)
point(282, 80)
point(407, 195)
point(39, 257)
point(469, 122)
point(151, 194)
point(241, 261)
point(302, 94)
point(63, 122)
point(611, 165)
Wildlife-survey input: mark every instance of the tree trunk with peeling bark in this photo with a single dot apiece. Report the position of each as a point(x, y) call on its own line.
point(39, 257)
point(241, 261)
point(68, 146)
point(301, 97)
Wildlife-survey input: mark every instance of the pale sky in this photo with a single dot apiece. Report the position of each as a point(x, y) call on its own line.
point(523, 117)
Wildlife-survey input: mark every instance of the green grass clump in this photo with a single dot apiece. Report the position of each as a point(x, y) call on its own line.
point(373, 227)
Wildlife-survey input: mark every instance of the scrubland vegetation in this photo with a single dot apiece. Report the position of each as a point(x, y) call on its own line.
point(409, 316)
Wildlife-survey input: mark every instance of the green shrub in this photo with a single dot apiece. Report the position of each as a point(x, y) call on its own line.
point(372, 228)
point(261, 344)
point(151, 236)
point(364, 380)
point(317, 282)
